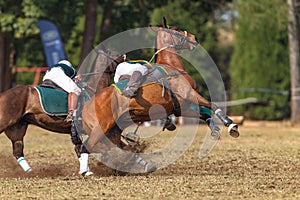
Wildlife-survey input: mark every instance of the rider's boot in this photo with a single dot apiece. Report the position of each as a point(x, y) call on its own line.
point(72, 102)
point(133, 84)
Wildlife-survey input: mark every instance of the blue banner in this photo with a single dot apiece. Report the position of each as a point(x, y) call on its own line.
point(52, 42)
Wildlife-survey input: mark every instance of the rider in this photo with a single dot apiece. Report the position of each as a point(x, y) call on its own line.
point(62, 74)
point(134, 71)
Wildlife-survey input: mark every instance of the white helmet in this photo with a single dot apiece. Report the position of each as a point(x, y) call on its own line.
point(66, 62)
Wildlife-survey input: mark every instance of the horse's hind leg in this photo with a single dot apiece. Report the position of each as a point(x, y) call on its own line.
point(232, 128)
point(205, 115)
point(16, 135)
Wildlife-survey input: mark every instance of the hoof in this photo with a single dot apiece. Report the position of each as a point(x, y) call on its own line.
point(169, 126)
point(86, 174)
point(233, 130)
point(149, 168)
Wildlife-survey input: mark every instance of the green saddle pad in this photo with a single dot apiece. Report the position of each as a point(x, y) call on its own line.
point(120, 86)
point(53, 101)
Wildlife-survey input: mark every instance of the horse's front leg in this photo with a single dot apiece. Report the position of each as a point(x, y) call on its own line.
point(16, 134)
point(81, 152)
point(83, 158)
point(91, 145)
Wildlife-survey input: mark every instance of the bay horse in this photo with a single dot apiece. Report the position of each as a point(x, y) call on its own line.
point(21, 106)
point(167, 54)
point(109, 111)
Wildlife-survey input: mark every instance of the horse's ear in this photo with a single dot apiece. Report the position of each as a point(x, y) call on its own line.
point(164, 24)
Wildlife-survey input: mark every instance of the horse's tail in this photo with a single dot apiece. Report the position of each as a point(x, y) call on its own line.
point(13, 103)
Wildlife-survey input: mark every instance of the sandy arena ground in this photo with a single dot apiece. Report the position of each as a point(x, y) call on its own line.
point(263, 163)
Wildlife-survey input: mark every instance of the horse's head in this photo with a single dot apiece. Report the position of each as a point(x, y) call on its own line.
point(104, 64)
point(171, 36)
point(109, 59)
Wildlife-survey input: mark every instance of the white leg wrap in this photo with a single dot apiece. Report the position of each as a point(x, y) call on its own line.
point(218, 110)
point(24, 164)
point(84, 163)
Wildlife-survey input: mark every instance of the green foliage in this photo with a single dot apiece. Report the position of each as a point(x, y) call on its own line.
point(198, 18)
point(260, 58)
point(25, 78)
point(193, 16)
point(19, 17)
point(19, 20)
point(129, 14)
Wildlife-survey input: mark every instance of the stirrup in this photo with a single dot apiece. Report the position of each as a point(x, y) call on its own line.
point(69, 118)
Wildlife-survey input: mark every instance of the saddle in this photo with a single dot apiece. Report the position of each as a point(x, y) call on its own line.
point(54, 100)
point(157, 75)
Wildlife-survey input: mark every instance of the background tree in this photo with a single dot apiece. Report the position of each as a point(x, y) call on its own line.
point(20, 40)
point(84, 24)
point(260, 58)
point(293, 29)
point(15, 22)
point(89, 28)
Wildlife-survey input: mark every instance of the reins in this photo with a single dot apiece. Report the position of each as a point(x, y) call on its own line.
point(166, 47)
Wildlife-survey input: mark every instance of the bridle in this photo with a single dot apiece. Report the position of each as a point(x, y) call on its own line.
point(111, 60)
point(183, 39)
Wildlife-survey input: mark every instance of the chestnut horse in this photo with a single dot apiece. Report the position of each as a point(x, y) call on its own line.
point(167, 54)
point(109, 111)
point(21, 106)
